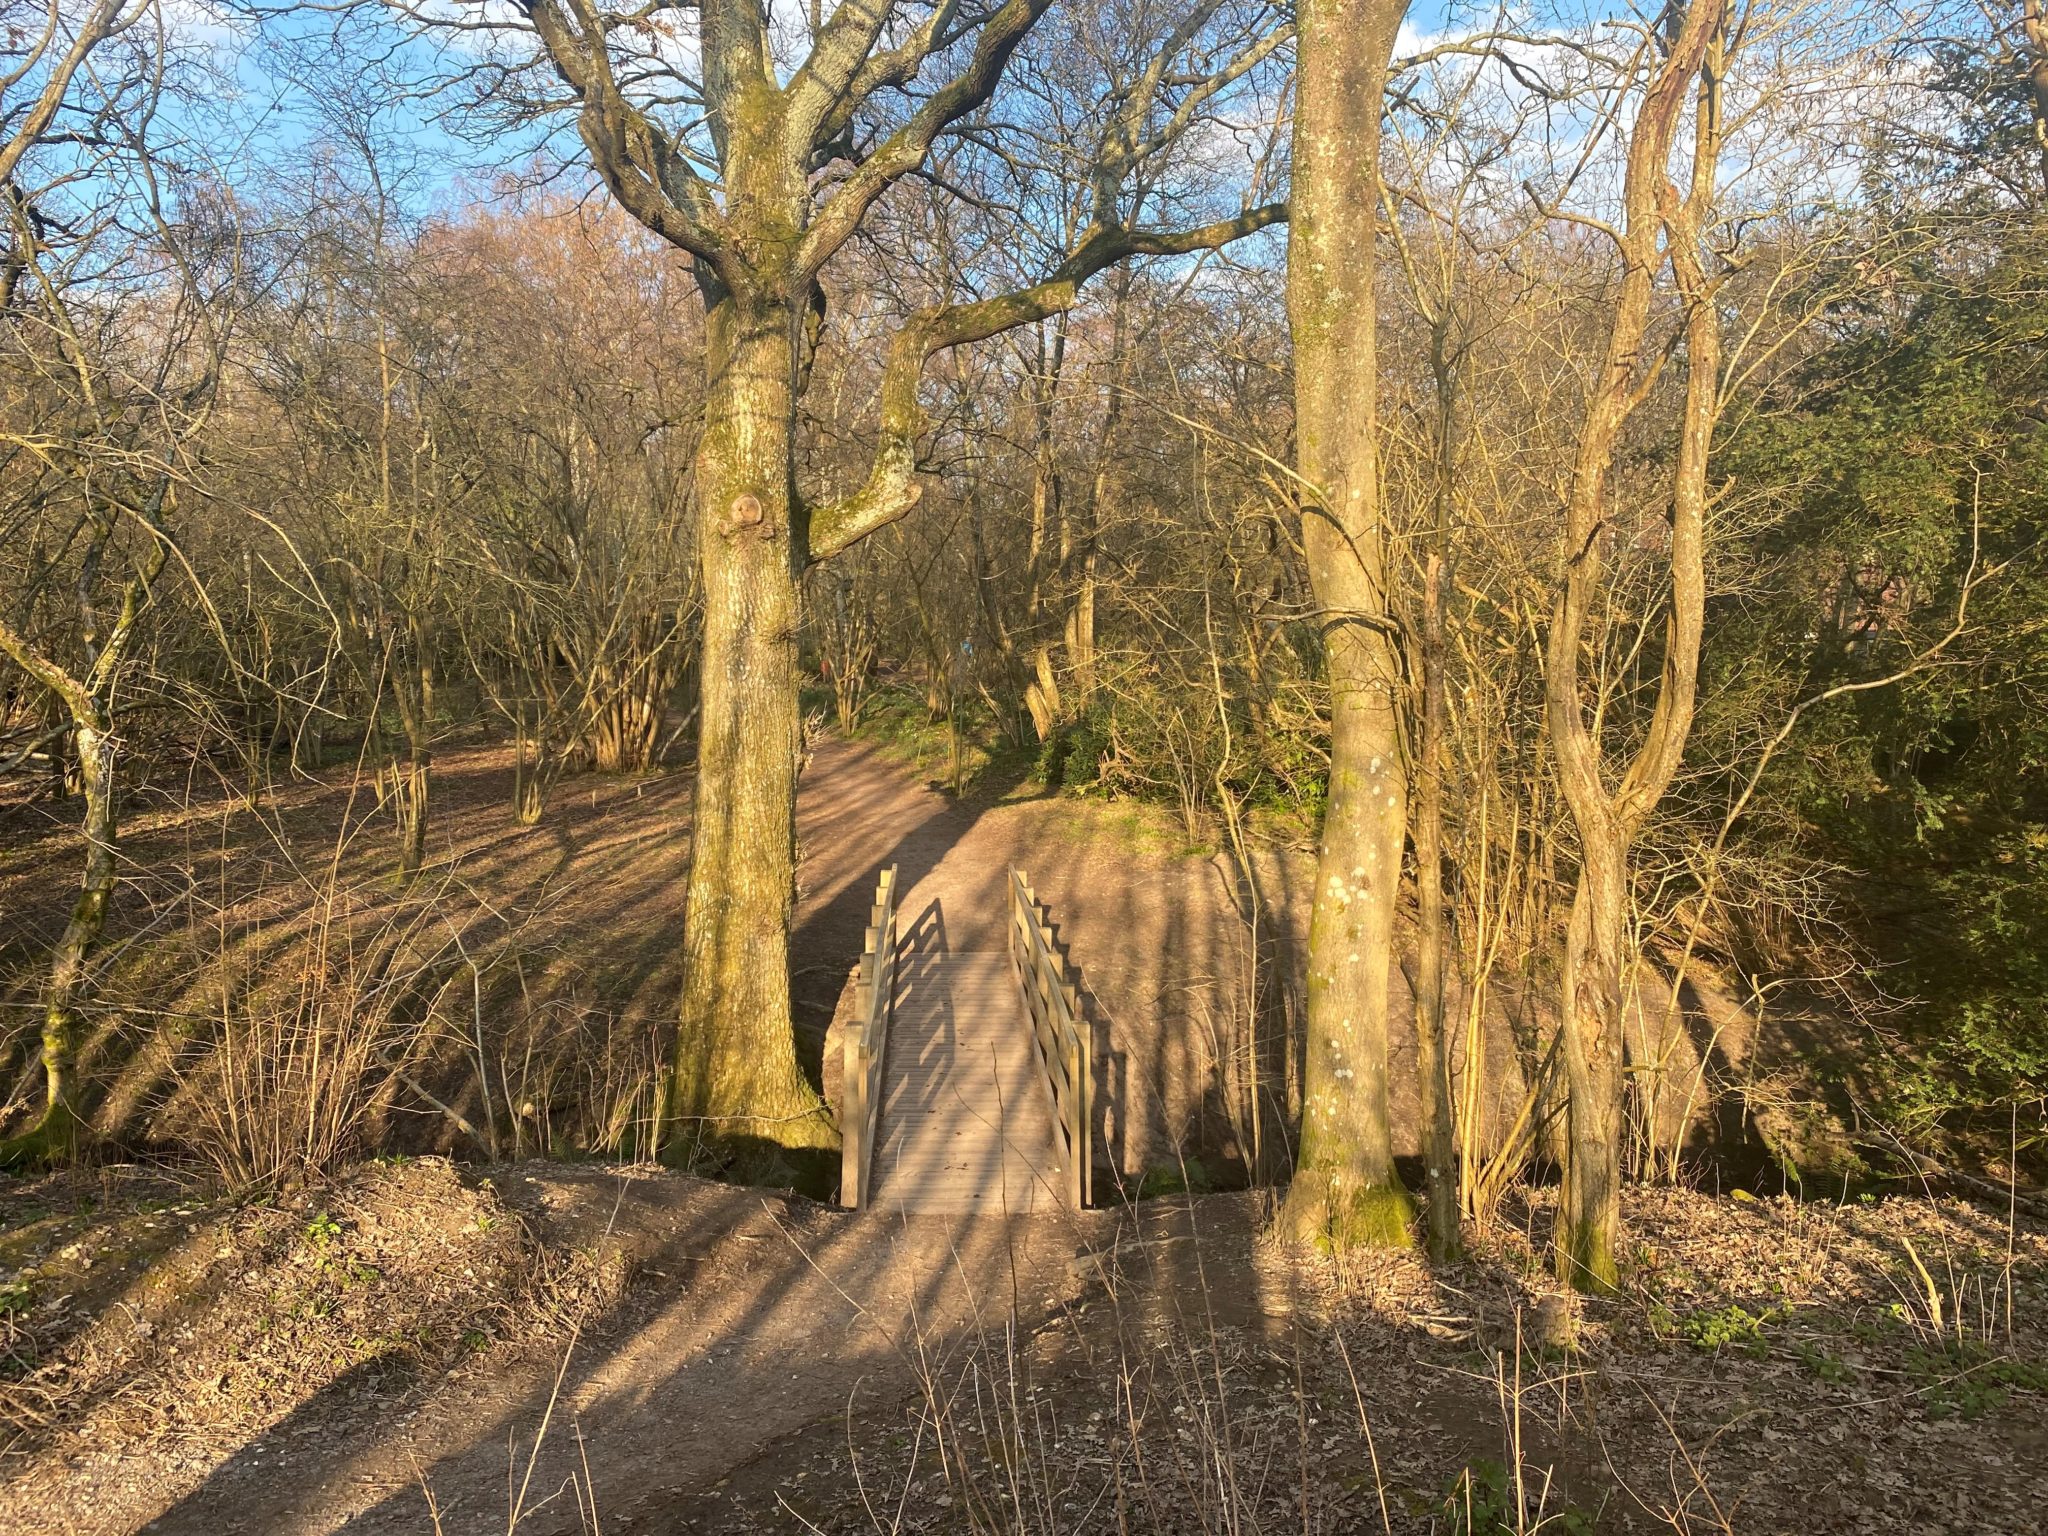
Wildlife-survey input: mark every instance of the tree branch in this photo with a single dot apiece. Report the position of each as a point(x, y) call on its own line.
point(904, 150)
point(892, 488)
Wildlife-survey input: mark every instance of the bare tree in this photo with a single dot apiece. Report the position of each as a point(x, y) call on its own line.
point(1658, 224)
point(578, 611)
point(116, 312)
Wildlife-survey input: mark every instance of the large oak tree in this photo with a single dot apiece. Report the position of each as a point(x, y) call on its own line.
point(760, 145)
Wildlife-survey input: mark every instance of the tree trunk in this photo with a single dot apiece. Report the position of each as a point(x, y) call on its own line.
point(627, 730)
point(411, 781)
point(1042, 693)
point(536, 767)
point(1048, 531)
point(2034, 23)
point(1589, 1212)
point(1345, 1190)
point(54, 1136)
point(1590, 1200)
point(63, 767)
point(735, 1083)
point(1081, 618)
point(411, 785)
point(1433, 1057)
point(1001, 643)
point(86, 700)
point(1082, 534)
point(309, 732)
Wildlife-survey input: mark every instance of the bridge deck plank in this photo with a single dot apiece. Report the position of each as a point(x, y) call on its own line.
point(966, 1121)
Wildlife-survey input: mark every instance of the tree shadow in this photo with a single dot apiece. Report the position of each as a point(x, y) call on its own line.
point(851, 834)
point(1195, 1380)
point(751, 1317)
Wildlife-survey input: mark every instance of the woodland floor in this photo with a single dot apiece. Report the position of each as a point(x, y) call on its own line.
point(423, 1344)
point(417, 1343)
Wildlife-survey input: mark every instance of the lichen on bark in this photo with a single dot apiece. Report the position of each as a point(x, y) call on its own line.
point(1346, 1192)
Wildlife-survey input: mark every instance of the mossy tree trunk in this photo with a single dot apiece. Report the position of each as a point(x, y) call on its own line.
point(736, 1078)
point(1345, 1190)
point(87, 697)
point(55, 1133)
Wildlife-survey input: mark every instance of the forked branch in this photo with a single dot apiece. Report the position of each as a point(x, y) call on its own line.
point(892, 487)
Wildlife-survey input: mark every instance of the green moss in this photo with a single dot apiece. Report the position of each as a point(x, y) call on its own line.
point(1334, 1215)
point(1372, 1216)
point(1585, 1260)
point(51, 1142)
point(1186, 1178)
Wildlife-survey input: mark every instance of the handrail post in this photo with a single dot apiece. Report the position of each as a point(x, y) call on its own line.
point(874, 993)
point(878, 1032)
point(1085, 1030)
point(1062, 1037)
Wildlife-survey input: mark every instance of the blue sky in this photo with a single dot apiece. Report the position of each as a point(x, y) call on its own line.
point(293, 83)
point(300, 80)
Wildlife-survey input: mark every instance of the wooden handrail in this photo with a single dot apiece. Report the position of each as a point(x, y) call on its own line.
point(1061, 1033)
point(860, 1084)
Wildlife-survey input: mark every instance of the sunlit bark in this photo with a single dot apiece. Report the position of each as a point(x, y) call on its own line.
point(1345, 1190)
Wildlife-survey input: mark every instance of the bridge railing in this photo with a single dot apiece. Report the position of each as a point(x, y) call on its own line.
point(1064, 1037)
point(860, 1085)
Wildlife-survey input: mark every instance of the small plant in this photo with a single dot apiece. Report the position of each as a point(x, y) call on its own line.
point(1186, 1178)
point(1717, 1328)
point(1965, 1381)
point(321, 1232)
point(16, 1297)
point(1481, 1501)
point(1823, 1363)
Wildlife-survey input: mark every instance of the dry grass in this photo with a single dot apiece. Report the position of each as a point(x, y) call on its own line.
point(1772, 1369)
point(274, 1002)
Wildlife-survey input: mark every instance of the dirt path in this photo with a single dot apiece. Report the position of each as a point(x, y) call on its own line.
point(757, 1335)
point(751, 1318)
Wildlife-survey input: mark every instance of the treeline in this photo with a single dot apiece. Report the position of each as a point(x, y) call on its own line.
point(1640, 565)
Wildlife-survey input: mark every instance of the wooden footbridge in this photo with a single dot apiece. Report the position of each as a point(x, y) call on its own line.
point(966, 1084)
